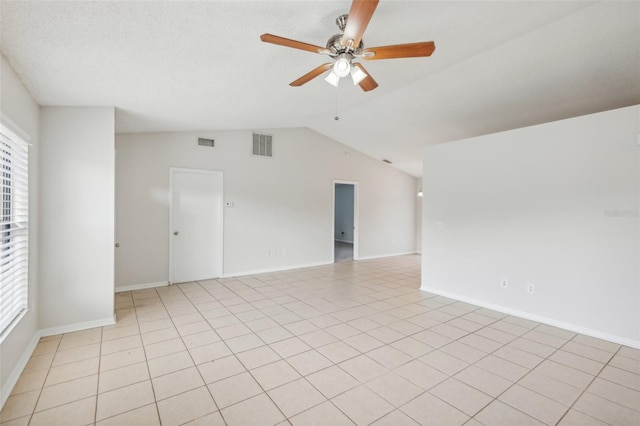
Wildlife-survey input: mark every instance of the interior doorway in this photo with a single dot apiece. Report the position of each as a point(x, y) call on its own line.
point(345, 221)
point(195, 225)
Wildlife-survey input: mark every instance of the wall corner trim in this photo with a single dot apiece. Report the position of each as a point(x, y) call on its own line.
point(380, 256)
point(69, 328)
point(537, 318)
point(133, 287)
point(8, 386)
point(278, 269)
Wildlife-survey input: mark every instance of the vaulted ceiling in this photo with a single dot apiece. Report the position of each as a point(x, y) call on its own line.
point(177, 66)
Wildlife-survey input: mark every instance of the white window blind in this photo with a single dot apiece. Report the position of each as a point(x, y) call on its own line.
point(14, 235)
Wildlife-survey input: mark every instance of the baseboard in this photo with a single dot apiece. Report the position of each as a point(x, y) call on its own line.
point(69, 328)
point(8, 386)
point(141, 286)
point(380, 256)
point(544, 320)
point(279, 269)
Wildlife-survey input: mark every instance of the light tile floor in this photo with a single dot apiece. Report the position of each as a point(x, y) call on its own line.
point(354, 342)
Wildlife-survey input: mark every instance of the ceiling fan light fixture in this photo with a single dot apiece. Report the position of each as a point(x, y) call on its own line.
point(332, 79)
point(342, 67)
point(357, 75)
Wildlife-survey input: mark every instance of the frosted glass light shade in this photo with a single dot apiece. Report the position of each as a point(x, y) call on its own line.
point(332, 79)
point(357, 75)
point(342, 67)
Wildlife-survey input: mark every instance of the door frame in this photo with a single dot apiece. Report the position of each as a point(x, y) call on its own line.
point(356, 227)
point(220, 228)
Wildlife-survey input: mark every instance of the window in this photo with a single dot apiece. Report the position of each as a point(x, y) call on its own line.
point(14, 235)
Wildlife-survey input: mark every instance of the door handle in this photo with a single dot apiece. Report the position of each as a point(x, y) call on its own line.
point(175, 232)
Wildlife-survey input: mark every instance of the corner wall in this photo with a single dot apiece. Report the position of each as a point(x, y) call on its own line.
point(554, 205)
point(17, 105)
point(77, 183)
point(282, 205)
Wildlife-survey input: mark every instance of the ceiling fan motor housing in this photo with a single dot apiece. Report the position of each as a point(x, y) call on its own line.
point(335, 41)
point(335, 45)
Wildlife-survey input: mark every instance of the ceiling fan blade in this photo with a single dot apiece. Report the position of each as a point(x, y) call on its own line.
point(281, 41)
point(359, 17)
point(408, 50)
point(368, 83)
point(311, 75)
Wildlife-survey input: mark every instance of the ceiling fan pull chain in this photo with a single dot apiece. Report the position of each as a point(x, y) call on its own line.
point(337, 117)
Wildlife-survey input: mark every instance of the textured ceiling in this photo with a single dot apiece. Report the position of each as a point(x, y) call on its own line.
point(174, 66)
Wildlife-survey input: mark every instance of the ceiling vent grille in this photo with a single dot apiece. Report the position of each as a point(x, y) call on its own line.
point(262, 145)
point(206, 142)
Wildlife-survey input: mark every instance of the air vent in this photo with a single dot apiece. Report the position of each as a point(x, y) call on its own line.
point(262, 145)
point(206, 142)
point(387, 161)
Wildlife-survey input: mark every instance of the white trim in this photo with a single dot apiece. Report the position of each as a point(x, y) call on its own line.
point(380, 256)
point(69, 328)
point(356, 215)
point(544, 320)
point(15, 128)
point(7, 331)
point(220, 240)
point(144, 286)
point(282, 268)
point(8, 386)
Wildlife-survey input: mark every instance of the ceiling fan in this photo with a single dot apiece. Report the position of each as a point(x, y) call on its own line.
point(347, 46)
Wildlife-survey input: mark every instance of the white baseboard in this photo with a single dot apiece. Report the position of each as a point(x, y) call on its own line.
point(380, 256)
point(279, 269)
point(544, 320)
point(8, 386)
point(141, 286)
point(69, 328)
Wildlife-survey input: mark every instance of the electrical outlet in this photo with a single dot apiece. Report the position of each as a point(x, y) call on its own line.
point(439, 225)
point(504, 283)
point(531, 288)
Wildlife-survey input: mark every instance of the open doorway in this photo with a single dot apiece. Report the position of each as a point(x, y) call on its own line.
point(345, 217)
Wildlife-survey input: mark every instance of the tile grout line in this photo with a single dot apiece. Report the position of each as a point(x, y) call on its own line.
point(33, 412)
point(588, 385)
point(144, 352)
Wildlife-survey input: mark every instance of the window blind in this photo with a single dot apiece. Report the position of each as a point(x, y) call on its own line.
point(14, 230)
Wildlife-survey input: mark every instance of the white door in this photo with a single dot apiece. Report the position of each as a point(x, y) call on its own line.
point(195, 217)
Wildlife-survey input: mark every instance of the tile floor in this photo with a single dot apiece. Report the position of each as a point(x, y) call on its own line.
point(354, 342)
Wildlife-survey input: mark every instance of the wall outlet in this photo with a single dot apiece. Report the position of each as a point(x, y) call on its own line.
point(439, 225)
point(284, 252)
point(531, 288)
point(504, 283)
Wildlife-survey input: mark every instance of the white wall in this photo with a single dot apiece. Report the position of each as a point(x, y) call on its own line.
point(77, 183)
point(418, 216)
point(532, 206)
point(17, 106)
point(283, 203)
point(343, 217)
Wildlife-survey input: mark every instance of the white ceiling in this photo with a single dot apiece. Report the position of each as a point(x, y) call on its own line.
point(176, 66)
